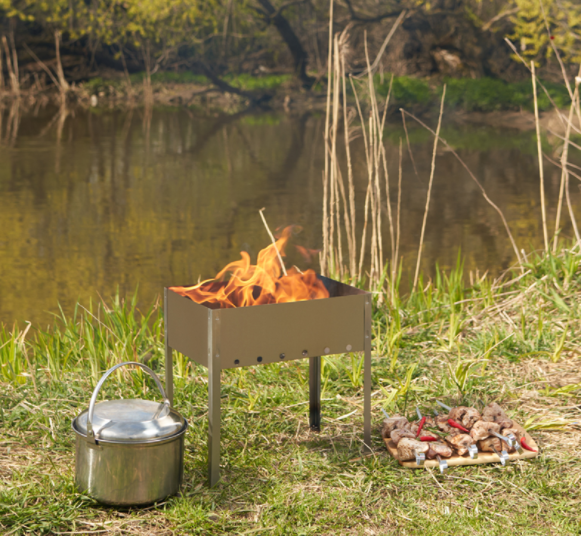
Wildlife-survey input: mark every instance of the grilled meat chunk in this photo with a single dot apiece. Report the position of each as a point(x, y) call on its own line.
point(439, 448)
point(442, 423)
point(494, 413)
point(457, 413)
point(486, 445)
point(483, 429)
point(391, 424)
point(516, 429)
point(430, 422)
point(412, 427)
point(471, 417)
point(508, 423)
point(407, 448)
point(460, 443)
point(399, 433)
point(465, 416)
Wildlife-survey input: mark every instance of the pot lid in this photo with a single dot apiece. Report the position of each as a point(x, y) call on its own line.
point(132, 421)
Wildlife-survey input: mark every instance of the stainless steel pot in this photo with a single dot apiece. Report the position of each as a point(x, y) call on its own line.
point(129, 452)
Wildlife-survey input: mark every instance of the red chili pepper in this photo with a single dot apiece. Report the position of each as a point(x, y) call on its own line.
point(428, 438)
point(525, 446)
point(456, 425)
point(421, 425)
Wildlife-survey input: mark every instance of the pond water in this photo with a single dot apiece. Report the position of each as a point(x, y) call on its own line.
point(95, 201)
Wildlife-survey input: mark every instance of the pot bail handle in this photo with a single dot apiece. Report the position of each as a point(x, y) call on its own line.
point(91, 436)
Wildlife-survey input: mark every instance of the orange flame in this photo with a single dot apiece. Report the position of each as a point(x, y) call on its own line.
point(258, 284)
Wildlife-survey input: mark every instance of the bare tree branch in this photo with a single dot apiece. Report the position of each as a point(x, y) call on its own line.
point(358, 18)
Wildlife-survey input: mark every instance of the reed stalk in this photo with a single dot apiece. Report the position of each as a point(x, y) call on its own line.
point(398, 220)
point(325, 255)
point(540, 152)
point(564, 173)
point(565, 170)
point(1, 75)
point(481, 188)
point(432, 170)
point(261, 211)
point(351, 219)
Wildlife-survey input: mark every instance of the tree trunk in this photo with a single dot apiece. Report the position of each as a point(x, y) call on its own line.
point(1, 75)
point(147, 90)
point(64, 85)
point(11, 71)
point(285, 30)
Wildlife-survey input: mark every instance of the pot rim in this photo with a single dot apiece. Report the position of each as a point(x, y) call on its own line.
point(153, 441)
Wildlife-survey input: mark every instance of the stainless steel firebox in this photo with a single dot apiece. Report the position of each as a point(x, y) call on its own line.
point(227, 338)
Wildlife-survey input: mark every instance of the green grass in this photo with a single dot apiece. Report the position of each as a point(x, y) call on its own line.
point(460, 338)
point(472, 95)
point(243, 81)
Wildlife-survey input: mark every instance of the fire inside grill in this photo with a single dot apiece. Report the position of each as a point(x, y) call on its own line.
point(258, 316)
point(258, 284)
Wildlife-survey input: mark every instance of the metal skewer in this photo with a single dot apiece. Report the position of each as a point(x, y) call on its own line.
point(473, 451)
point(503, 456)
point(515, 442)
point(419, 414)
point(507, 440)
point(443, 464)
point(420, 458)
point(385, 413)
point(441, 404)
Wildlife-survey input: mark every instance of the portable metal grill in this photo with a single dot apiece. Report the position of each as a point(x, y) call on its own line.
point(228, 338)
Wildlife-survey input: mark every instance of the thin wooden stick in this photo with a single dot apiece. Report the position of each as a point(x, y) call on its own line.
point(25, 352)
point(374, 132)
point(1, 78)
point(42, 65)
point(515, 51)
point(540, 151)
point(334, 200)
point(371, 69)
point(11, 72)
point(385, 172)
point(473, 177)
point(324, 257)
point(273, 240)
point(407, 139)
point(429, 190)
point(353, 240)
point(557, 55)
point(564, 158)
point(396, 255)
point(367, 153)
point(572, 213)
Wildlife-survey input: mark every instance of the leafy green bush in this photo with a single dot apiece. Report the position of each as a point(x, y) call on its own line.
point(406, 90)
point(473, 95)
point(250, 82)
point(488, 94)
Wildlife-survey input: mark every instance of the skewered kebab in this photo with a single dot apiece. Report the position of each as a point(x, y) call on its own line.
point(408, 447)
point(392, 423)
point(406, 435)
point(439, 448)
point(460, 442)
point(466, 429)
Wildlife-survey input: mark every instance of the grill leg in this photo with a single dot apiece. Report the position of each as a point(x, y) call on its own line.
point(367, 378)
point(168, 357)
point(168, 373)
point(214, 423)
point(315, 393)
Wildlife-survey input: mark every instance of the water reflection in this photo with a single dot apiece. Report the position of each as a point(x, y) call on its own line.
point(95, 201)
